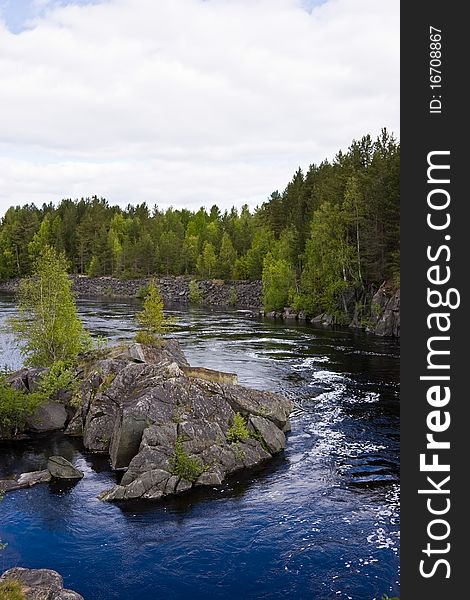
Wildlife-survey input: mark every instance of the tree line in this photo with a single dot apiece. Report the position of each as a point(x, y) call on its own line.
point(333, 229)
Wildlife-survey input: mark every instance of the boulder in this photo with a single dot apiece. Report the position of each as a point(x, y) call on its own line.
point(61, 468)
point(40, 584)
point(48, 417)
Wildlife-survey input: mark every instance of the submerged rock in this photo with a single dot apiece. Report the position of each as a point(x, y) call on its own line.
point(61, 468)
point(40, 584)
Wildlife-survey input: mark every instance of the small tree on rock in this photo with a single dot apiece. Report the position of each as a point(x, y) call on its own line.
point(152, 320)
point(47, 325)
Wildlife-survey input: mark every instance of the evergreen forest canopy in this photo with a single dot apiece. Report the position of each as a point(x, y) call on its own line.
point(333, 229)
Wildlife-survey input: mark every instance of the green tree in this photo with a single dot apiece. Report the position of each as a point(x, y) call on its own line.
point(207, 261)
point(152, 321)
point(47, 325)
point(278, 283)
point(227, 257)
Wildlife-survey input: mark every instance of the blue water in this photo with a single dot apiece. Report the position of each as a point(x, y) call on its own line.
point(320, 522)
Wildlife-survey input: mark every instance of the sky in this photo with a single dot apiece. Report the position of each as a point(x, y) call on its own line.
point(187, 103)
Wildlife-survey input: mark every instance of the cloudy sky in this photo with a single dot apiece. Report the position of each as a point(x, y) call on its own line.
point(187, 102)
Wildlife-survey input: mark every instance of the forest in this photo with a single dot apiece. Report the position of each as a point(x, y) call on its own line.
point(331, 237)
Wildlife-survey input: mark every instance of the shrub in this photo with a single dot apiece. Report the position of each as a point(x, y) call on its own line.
point(183, 465)
point(11, 590)
point(58, 378)
point(15, 405)
point(238, 432)
point(142, 292)
point(195, 294)
point(232, 296)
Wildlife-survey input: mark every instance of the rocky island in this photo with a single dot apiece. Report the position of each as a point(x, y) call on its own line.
point(170, 426)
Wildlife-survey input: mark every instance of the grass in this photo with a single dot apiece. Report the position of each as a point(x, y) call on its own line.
point(11, 590)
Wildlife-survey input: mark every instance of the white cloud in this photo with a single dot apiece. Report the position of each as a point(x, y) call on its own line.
point(190, 102)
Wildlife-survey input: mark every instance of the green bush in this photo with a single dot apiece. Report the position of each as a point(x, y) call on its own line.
point(58, 378)
point(15, 405)
point(11, 590)
point(238, 432)
point(183, 465)
point(232, 296)
point(47, 324)
point(152, 321)
point(143, 292)
point(195, 294)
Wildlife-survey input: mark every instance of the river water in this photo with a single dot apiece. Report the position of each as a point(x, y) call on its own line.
point(319, 522)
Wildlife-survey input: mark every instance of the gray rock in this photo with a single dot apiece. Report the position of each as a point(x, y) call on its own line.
point(40, 584)
point(385, 309)
point(167, 423)
point(272, 436)
point(48, 417)
point(75, 426)
point(157, 406)
point(324, 319)
point(24, 480)
point(61, 468)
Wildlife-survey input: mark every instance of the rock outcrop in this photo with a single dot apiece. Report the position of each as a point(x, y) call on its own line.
point(385, 310)
point(170, 426)
point(39, 584)
point(215, 292)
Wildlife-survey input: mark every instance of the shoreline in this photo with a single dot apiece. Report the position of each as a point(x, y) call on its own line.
point(384, 319)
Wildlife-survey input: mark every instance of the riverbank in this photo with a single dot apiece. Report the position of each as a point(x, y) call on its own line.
point(381, 318)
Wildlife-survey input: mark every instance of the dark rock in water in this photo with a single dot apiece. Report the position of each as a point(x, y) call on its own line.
point(40, 584)
point(323, 319)
point(48, 417)
point(61, 468)
point(24, 480)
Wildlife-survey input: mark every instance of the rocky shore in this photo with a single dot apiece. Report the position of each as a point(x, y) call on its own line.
point(214, 292)
point(35, 584)
point(168, 425)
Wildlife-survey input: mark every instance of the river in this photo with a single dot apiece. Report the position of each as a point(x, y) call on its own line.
point(319, 522)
